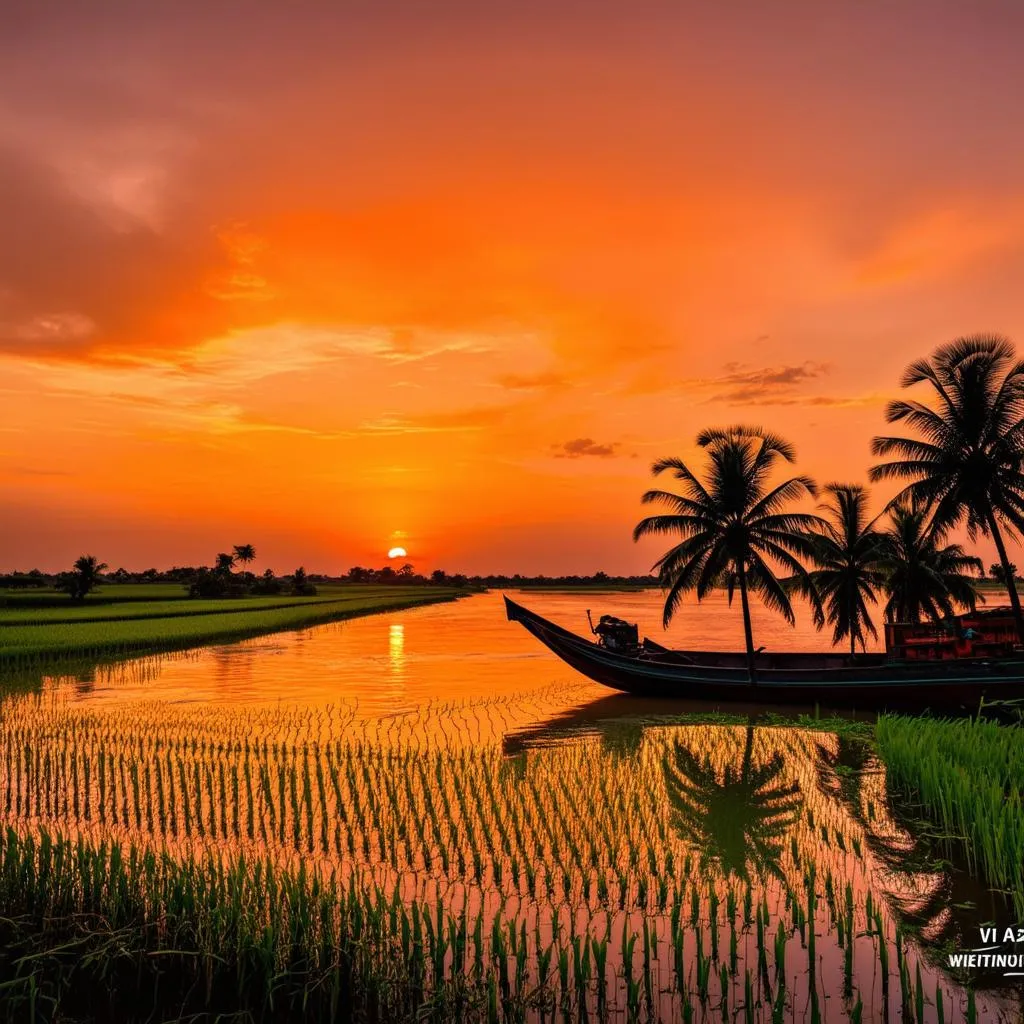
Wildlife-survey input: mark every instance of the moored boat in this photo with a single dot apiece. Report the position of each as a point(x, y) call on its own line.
point(620, 660)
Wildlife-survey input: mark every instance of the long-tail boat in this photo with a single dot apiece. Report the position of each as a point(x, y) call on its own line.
point(958, 667)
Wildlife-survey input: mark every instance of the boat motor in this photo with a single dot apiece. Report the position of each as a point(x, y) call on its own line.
point(616, 634)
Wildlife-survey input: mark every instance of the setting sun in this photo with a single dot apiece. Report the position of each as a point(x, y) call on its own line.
point(396, 553)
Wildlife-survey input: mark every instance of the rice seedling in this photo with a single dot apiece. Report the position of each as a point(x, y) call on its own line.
point(968, 776)
point(36, 641)
point(469, 888)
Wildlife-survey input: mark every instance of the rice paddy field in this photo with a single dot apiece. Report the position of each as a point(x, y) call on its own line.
point(531, 851)
point(126, 618)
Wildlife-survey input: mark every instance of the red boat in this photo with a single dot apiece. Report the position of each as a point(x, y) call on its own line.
point(991, 633)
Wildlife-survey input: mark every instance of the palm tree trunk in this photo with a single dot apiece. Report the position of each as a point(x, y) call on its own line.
point(748, 750)
point(1011, 585)
point(748, 631)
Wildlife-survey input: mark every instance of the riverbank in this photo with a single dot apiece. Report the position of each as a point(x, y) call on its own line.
point(121, 621)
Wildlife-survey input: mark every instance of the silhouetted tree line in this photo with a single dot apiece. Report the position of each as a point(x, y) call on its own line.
point(407, 575)
point(24, 580)
point(218, 580)
point(222, 581)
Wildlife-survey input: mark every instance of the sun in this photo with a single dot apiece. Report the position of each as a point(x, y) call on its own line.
point(396, 553)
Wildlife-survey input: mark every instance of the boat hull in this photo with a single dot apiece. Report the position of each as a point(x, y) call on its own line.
point(806, 679)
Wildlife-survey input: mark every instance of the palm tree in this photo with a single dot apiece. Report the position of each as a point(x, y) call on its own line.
point(735, 529)
point(225, 563)
point(83, 578)
point(739, 819)
point(966, 465)
point(245, 553)
point(924, 576)
point(847, 554)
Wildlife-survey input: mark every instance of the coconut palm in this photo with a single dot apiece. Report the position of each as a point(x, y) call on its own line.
point(925, 576)
point(849, 572)
point(244, 553)
point(736, 529)
point(967, 464)
point(83, 578)
point(737, 820)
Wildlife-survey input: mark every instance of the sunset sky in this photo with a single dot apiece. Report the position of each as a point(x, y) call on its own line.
point(329, 278)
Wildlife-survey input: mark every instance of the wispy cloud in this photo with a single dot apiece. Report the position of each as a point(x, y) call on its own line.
point(744, 385)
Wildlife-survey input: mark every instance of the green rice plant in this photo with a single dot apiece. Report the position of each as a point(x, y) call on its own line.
point(493, 883)
point(22, 644)
point(968, 775)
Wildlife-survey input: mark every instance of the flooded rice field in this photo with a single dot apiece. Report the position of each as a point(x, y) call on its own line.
point(498, 823)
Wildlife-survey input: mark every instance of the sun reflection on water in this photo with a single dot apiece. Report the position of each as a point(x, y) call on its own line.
point(396, 648)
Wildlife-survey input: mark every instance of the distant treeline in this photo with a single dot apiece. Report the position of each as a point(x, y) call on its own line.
point(405, 575)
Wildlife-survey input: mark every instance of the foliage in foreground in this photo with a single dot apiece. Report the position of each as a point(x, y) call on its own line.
point(131, 935)
point(128, 935)
point(968, 776)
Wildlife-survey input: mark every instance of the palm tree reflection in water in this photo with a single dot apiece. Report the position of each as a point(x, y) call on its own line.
point(739, 820)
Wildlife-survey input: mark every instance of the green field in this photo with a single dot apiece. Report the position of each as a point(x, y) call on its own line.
point(120, 620)
point(107, 593)
point(968, 777)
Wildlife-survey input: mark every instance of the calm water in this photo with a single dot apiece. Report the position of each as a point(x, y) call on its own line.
point(445, 755)
point(402, 661)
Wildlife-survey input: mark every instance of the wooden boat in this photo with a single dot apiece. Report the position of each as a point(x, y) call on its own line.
point(831, 679)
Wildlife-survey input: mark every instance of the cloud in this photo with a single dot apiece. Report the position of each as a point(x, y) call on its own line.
point(741, 384)
point(581, 446)
point(47, 328)
point(744, 385)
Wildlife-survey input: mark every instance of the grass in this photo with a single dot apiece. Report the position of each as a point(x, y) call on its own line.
point(107, 593)
point(100, 631)
point(288, 864)
point(132, 608)
point(103, 932)
point(967, 776)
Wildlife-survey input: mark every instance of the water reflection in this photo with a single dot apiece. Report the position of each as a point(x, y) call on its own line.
point(739, 818)
point(451, 758)
point(396, 649)
point(460, 651)
point(692, 833)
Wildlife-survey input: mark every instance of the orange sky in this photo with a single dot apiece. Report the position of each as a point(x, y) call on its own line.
point(331, 277)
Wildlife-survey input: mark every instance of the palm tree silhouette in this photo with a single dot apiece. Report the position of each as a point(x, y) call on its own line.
point(244, 553)
point(83, 578)
point(224, 563)
point(847, 553)
point(966, 465)
point(923, 575)
point(738, 820)
point(733, 527)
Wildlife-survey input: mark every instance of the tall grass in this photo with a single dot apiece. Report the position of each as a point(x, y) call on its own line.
point(121, 932)
point(968, 775)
